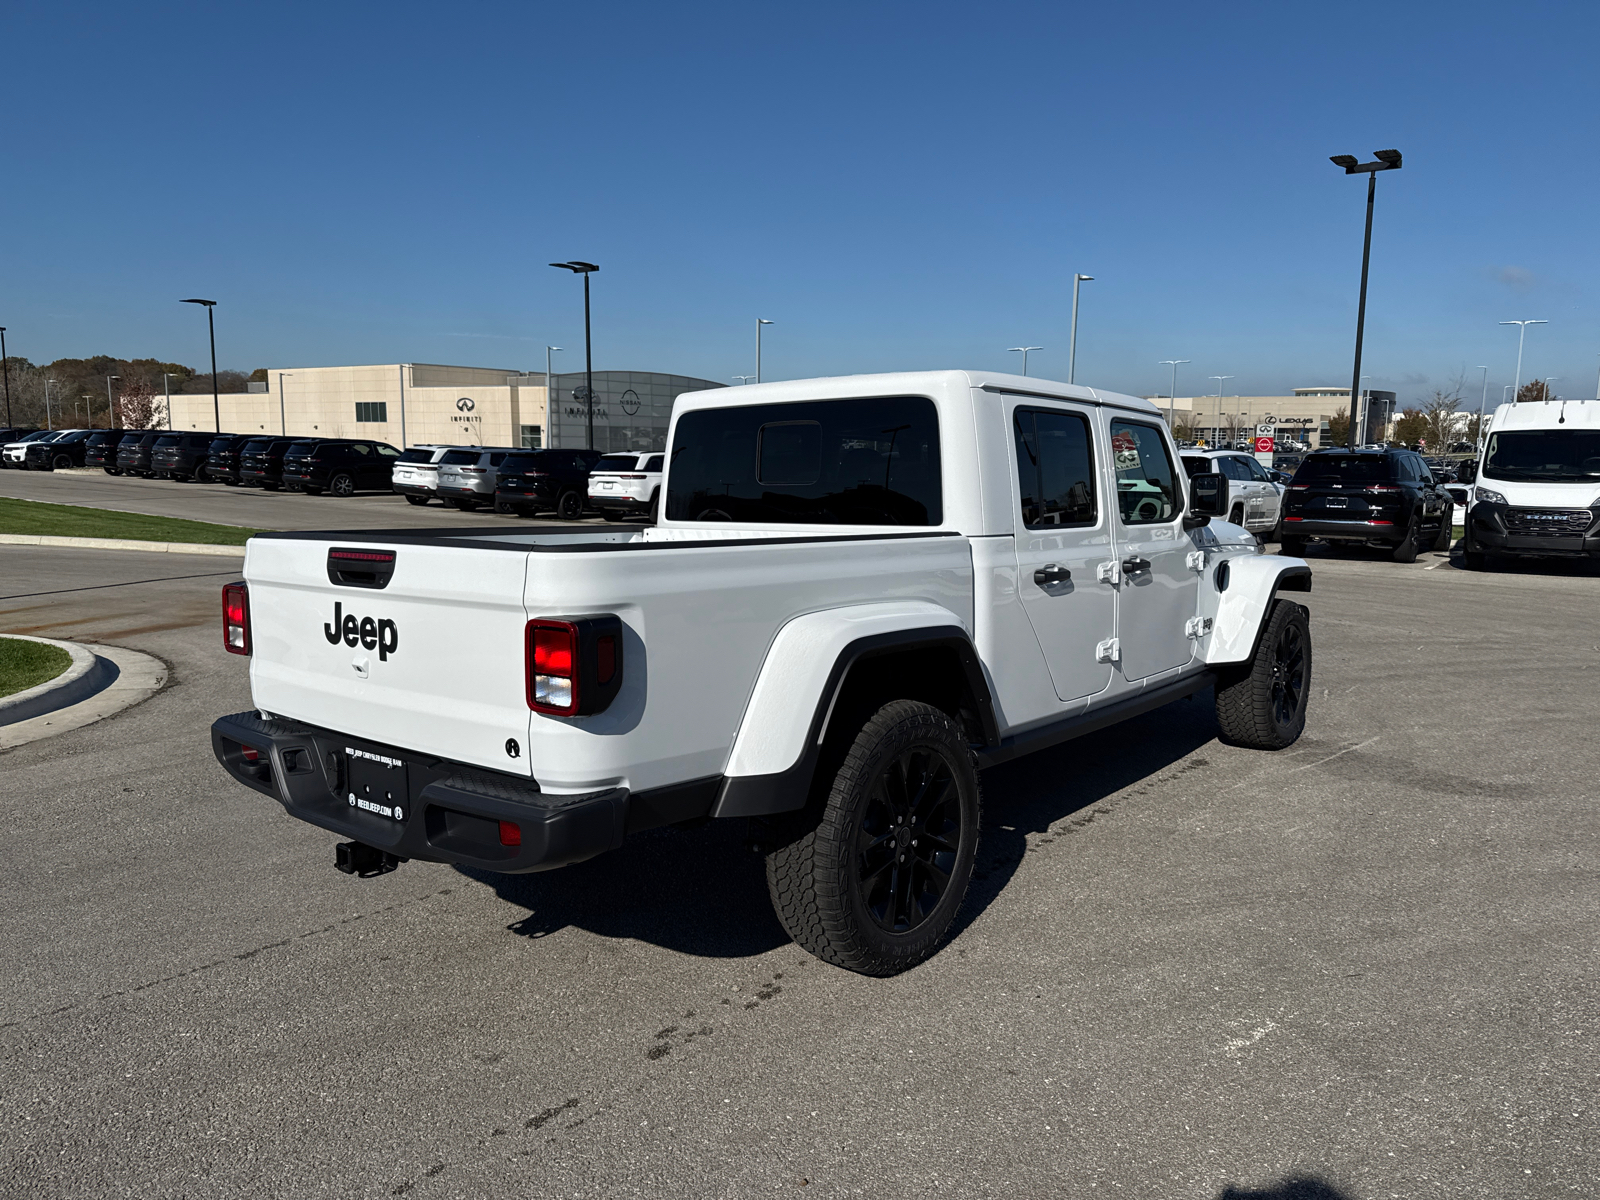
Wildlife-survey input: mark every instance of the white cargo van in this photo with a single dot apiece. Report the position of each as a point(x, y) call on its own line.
point(1537, 490)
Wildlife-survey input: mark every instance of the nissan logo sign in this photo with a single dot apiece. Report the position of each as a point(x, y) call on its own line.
point(465, 404)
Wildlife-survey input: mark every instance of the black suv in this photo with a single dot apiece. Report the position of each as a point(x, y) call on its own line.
point(181, 455)
point(545, 479)
point(101, 449)
point(261, 461)
point(133, 452)
point(1383, 498)
point(341, 468)
point(59, 453)
point(222, 459)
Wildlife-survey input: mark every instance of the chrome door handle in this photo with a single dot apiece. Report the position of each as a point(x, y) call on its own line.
point(1135, 564)
point(1050, 573)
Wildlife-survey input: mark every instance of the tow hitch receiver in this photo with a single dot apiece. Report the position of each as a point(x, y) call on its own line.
point(360, 859)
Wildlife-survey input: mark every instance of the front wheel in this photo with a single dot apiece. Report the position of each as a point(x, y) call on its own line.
point(570, 506)
point(1262, 704)
point(61, 462)
point(874, 885)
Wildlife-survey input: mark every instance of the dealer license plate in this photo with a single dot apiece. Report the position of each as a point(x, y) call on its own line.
point(375, 783)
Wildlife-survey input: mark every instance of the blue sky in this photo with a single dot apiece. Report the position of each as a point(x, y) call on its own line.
point(895, 185)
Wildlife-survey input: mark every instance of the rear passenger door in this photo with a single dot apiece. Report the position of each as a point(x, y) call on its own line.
point(1063, 541)
point(1157, 590)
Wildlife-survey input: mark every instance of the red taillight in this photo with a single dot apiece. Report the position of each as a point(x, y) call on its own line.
point(510, 834)
point(236, 618)
point(1379, 489)
point(251, 754)
point(630, 476)
point(552, 682)
point(1299, 487)
point(1294, 518)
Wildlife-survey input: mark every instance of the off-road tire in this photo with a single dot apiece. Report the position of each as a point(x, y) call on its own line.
point(419, 501)
point(1295, 547)
point(1262, 704)
point(1447, 526)
point(1405, 550)
point(815, 879)
point(569, 507)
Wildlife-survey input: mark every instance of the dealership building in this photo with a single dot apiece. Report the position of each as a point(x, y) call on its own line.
point(410, 404)
point(1301, 417)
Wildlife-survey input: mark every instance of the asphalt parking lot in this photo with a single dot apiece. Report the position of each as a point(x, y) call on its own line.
point(1362, 967)
point(253, 508)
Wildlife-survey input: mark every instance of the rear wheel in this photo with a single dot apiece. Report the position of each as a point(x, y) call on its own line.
point(1294, 546)
point(417, 500)
point(1236, 517)
point(1262, 704)
point(611, 515)
point(874, 884)
point(655, 505)
point(113, 470)
point(342, 485)
point(1405, 550)
point(1447, 525)
point(570, 506)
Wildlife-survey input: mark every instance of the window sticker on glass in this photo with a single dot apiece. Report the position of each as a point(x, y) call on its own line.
point(1147, 490)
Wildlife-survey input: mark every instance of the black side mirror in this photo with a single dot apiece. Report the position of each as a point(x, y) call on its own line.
point(1208, 497)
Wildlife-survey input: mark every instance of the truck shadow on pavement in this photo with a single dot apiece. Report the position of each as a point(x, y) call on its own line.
point(1061, 792)
point(701, 891)
point(1295, 1187)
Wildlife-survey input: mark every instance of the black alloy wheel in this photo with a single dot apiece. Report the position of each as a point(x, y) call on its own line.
point(1262, 704)
point(872, 880)
point(342, 485)
point(908, 840)
point(61, 462)
point(570, 506)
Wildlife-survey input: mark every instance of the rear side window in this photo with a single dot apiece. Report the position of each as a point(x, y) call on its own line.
point(1194, 464)
point(1055, 468)
point(259, 446)
point(829, 462)
point(1344, 468)
point(459, 458)
point(653, 463)
point(1147, 487)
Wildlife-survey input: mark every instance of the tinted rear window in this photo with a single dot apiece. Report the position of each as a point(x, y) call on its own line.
point(416, 456)
point(832, 462)
point(258, 446)
point(1344, 468)
point(519, 462)
point(169, 441)
point(301, 450)
point(618, 462)
point(219, 445)
point(459, 458)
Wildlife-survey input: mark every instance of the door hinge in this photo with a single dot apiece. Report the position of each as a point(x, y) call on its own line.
point(1108, 651)
point(1109, 572)
point(1197, 627)
point(1196, 561)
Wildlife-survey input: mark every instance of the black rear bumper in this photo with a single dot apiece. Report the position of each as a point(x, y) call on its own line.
point(417, 807)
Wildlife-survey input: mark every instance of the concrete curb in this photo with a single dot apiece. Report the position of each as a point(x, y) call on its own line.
point(125, 677)
point(86, 676)
point(77, 543)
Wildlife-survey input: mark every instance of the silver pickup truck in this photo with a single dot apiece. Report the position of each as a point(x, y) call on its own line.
point(860, 591)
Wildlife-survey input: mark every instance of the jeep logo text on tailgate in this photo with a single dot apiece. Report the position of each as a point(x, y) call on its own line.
point(381, 636)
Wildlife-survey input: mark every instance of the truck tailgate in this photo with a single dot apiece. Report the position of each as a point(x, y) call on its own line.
point(437, 661)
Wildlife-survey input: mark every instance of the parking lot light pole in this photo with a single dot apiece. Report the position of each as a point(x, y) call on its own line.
point(1548, 380)
point(5, 368)
point(1218, 424)
point(1172, 396)
point(111, 406)
point(1386, 160)
point(1522, 333)
point(1072, 346)
point(760, 321)
point(1024, 349)
point(585, 269)
point(743, 379)
point(49, 422)
point(216, 402)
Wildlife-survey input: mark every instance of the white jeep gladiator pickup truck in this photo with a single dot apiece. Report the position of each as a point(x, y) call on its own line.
point(860, 591)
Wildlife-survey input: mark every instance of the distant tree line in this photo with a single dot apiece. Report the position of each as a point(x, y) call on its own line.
point(75, 388)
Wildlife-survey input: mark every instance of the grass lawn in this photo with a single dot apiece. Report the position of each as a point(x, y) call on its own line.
point(66, 520)
point(28, 664)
